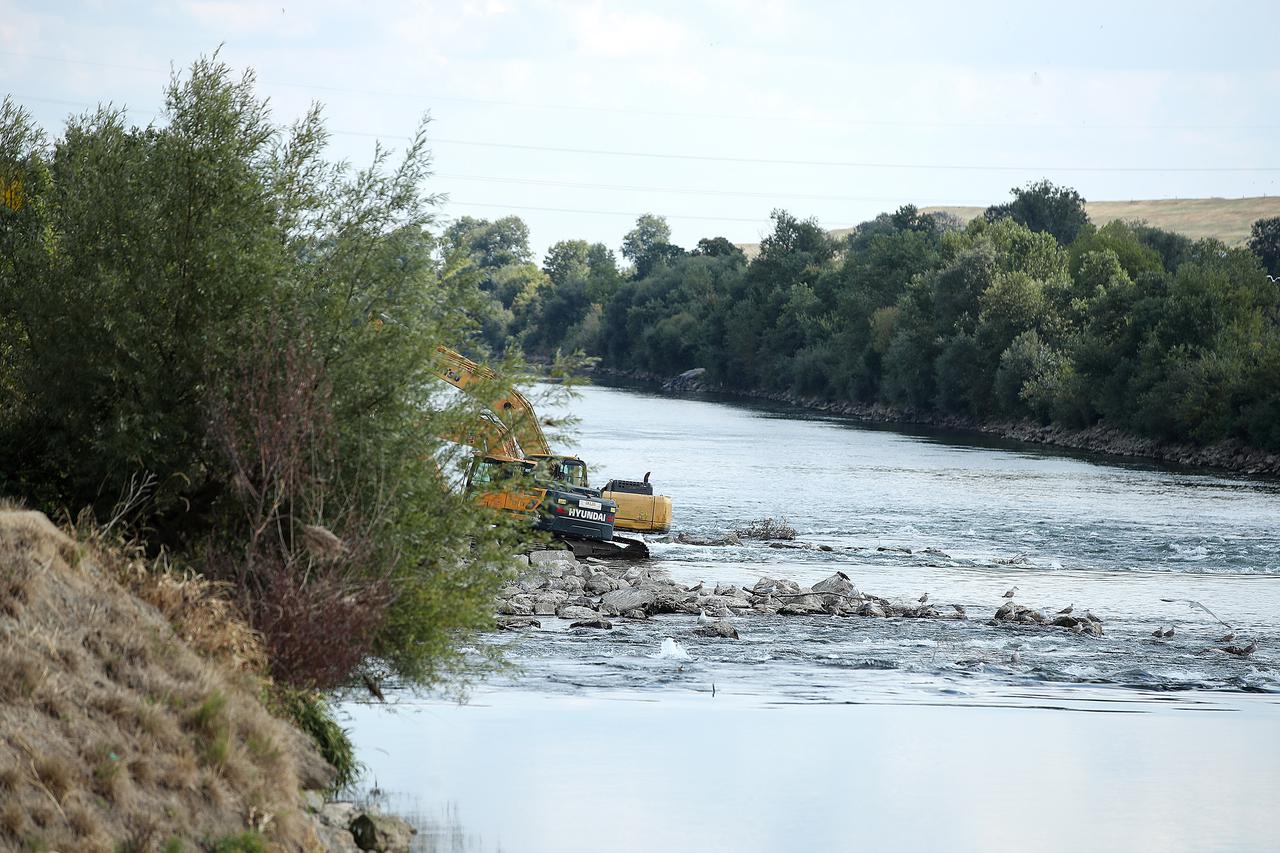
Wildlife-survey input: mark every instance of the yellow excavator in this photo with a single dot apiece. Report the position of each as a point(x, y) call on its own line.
point(514, 469)
point(638, 508)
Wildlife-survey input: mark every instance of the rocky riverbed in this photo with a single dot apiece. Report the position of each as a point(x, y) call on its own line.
point(593, 593)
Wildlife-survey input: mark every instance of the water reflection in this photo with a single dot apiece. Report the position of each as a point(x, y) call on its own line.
point(538, 774)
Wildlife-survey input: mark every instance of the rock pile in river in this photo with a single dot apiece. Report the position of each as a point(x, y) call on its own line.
point(592, 592)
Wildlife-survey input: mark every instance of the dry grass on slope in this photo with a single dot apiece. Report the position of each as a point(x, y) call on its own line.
point(114, 733)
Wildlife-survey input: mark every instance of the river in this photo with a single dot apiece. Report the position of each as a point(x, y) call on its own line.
point(821, 733)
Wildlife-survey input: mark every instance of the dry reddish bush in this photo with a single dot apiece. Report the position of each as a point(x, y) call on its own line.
point(300, 563)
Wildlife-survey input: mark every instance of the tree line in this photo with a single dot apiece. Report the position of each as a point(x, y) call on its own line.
point(1029, 311)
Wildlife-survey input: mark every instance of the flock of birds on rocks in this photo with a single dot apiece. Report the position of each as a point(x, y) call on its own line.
point(1223, 642)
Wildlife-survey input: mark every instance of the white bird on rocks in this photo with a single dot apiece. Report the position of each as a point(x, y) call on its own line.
point(703, 618)
point(924, 598)
point(1010, 593)
point(1066, 611)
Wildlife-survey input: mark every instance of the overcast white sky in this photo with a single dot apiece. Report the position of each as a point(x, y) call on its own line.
point(873, 105)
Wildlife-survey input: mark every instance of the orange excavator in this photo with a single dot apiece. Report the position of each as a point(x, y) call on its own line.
point(512, 444)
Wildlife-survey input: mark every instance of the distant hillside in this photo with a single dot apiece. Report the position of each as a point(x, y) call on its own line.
point(1228, 219)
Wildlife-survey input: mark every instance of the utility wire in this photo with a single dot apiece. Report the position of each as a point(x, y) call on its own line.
point(684, 191)
point(852, 164)
point(768, 161)
point(630, 214)
point(700, 115)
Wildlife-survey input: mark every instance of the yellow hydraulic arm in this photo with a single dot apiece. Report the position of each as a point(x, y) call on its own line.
point(510, 406)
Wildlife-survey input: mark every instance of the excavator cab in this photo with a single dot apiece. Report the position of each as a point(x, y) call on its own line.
point(569, 470)
point(519, 486)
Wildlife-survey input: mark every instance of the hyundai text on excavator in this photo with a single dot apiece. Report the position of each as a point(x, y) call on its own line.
point(514, 469)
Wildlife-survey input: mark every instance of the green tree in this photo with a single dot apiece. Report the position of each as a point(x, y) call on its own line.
point(180, 300)
point(649, 244)
point(493, 244)
point(1044, 206)
point(1264, 241)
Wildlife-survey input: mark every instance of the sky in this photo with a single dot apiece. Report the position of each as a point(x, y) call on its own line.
point(580, 116)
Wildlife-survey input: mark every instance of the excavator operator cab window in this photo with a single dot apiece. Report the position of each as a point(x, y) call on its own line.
point(492, 474)
point(573, 472)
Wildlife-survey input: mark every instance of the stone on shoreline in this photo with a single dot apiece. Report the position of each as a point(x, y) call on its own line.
point(511, 623)
point(620, 600)
point(382, 833)
point(718, 628)
point(542, 558)
point(602, 624)
point(576, 611)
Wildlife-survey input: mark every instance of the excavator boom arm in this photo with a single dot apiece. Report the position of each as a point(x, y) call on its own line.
point(509, 406)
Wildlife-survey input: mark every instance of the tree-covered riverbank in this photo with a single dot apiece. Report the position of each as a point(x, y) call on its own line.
point(1030, 313)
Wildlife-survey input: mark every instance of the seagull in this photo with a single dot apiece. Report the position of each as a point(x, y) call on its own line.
point(1169, 633)
point(703, 618)
point(1245, 652)
point(922, 599)
point(1226, 639)
point(1066, 611)
point(959, 608)
point(1195, 605)
point(1016, 657)
point(1010, 593)
point(1159, 632)
point(842, 576)
point(1088, 614)
point(695, 588)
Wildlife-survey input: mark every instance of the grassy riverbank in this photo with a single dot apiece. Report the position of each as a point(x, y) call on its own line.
point(132, 709)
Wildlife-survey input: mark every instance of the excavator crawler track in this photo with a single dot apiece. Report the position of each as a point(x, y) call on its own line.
point(618, 548)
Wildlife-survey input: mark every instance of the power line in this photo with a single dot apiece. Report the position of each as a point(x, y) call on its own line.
point(631, 214)
point(851, 164)
point(699, 115)
point(767, 161)
point(682, 191)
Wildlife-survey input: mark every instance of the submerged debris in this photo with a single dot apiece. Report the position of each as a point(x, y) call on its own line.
point(768, 528)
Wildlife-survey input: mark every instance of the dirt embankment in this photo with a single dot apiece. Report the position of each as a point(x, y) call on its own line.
point(1226, 455)
point(121, 729)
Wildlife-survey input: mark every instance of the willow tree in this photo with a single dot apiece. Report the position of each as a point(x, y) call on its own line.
point(209, 314)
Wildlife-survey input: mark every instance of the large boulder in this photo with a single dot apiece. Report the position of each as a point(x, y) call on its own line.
point(575, 611)
point(602, 624)
point(547, 603)
point(872, 608)
point(599, 583)
point(622, 600)
point(719, 628)
point(1012, 612)
point(382, 833)
point(542, 558)
point(838, 583)
point(520, 605)
point(800, 605)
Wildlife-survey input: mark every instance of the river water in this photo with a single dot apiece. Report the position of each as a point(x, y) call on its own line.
point(821, 733)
